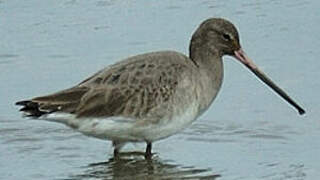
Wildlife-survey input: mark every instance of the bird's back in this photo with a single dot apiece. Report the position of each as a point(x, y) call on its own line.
point(138, 87)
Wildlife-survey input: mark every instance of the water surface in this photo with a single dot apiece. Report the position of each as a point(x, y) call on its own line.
point(248, 133)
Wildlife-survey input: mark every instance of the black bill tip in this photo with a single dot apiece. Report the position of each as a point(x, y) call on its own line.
point(301, 111)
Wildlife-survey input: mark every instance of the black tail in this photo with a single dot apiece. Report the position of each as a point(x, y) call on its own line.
point(31, 109)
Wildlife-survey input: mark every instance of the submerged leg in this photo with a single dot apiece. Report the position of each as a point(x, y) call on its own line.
point(117, 146)
point(148, 150)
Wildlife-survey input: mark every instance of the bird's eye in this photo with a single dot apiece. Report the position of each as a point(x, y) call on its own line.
point(226, 37)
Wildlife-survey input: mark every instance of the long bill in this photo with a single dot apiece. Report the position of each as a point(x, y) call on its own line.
point(243, 58)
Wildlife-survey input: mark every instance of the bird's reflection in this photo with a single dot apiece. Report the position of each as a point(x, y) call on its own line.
point(135, 166)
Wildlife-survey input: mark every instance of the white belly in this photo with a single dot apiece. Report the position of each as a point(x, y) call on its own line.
point(125, 129)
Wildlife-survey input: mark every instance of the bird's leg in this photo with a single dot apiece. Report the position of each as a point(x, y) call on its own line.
point(117, 146)
point(115, 152)
point(148, 150)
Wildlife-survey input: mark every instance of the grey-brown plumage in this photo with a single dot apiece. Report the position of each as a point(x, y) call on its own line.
point(149, 96)
point(131, 88)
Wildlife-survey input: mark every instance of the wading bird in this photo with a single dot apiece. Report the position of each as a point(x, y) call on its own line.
point(149, 97)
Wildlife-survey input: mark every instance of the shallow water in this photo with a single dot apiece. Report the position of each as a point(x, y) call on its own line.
point(248, 133)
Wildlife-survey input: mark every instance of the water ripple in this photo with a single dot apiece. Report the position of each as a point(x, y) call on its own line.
point(219, 132)
point(293, 172)
point(140, 168)
point(7, 58)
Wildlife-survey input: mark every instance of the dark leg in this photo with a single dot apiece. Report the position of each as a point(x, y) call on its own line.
point(115, 153)
point(117, 146)
point(148, 150)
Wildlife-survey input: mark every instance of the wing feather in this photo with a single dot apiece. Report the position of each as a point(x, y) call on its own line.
point(131, 88)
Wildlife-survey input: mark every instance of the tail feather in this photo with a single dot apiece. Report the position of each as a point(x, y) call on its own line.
point(31, 109)
point(65, 101)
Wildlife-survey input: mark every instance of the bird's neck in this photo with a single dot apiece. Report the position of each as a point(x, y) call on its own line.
point(201, 52)
point(210, 65)
point(205, 56)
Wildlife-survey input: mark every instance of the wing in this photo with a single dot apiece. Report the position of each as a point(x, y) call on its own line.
point(64, 101)
point(131, 88)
